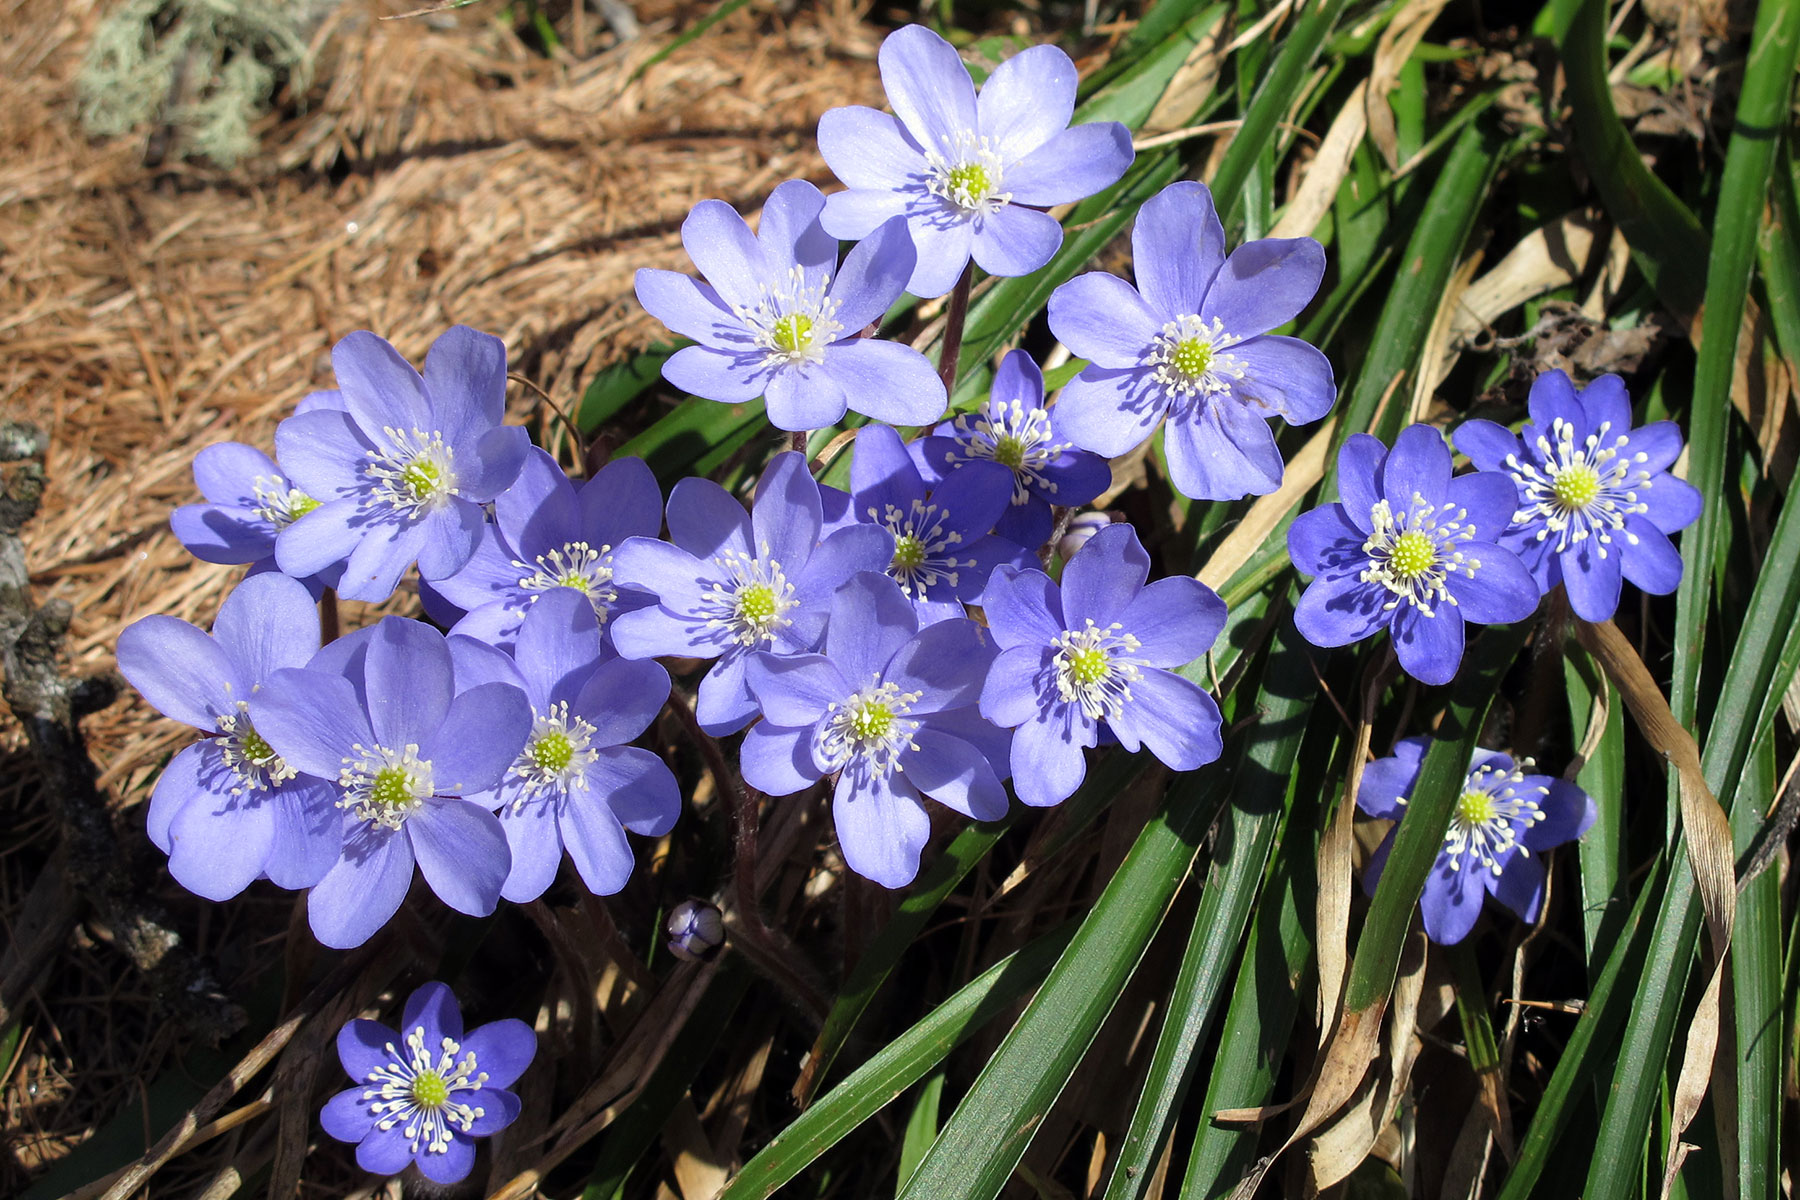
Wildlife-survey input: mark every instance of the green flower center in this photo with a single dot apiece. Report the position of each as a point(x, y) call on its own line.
point(909, 553)
point(429, 1090)
point(970, 182)
point(252, 746)
point(871, 721)
point(1192, 357)
point(553, 751)
point(392, 789)
point(756, 603)
point(299, 504)
point(1087, 665)
point(422, 478)
point(1475, 808)
point(1412, 555)
point(793, 333)
point(1576, 487)
point(1009, 450)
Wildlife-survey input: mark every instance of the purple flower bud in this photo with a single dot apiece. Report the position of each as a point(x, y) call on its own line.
point(695, 931)
point(1081, 530)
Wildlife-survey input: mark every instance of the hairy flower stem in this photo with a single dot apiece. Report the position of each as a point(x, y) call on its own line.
point(328, 616)
point(954, 318)
point(800, 439)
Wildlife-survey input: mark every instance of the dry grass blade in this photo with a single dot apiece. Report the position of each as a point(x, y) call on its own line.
point(1709, 847)
point(1396, 46)
point(1328, 169)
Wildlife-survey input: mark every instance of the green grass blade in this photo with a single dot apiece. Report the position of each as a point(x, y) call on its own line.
point(1667, 242)
point(615, 387)
point(1756, 999)
point(696, 438)
point(1593, 1033)
point(1260, 800)
point(990, 1130)
point(899, 1065)
point(921, 1126)
point(1428, 813)
point(1602, 776)
point(696, 30)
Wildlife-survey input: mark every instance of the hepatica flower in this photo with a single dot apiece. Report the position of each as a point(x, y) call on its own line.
point(401, 474)
point(379, 715)
point(549, 536)
point(1409, 549)
point(1098, 651)
point(732, 582)
point(1015, 429)
point(426, 1091)
point(967, 171)
point(944, 549)
point(1192, 342)
point(230, 808)
point(1596, 500)
point(888, 708)
point(249, 501)
point(1502, 817)
point(575, 783)
point(776, 318)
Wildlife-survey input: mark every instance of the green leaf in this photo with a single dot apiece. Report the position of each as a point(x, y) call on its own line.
point(921, 1126)
point(617, 386)
point(899, 1065)
point(1261, 798)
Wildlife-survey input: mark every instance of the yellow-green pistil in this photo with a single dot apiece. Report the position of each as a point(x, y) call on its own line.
point(1412, 555)
point(1009, 451)
point(1474, 807)
point(429, 1090)
point(756, 603)
point(422, 479)
point(1192, 357)
point(909, 553)
point(793, 333)
point(392, 789)
point(1576, 487)
point(552, 752)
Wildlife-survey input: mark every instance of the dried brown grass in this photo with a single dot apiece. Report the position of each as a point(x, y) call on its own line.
point(438, 172)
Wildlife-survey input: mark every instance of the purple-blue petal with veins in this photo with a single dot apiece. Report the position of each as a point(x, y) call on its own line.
point(558, 646)
point(886, 381)
point(874, 275)
point(1520, 886)
point(690, 308)
point(452, 1165)
point(1568, 812)
point(928, 88)
point(871, 620)
point(1322, 541)
point(1177, 248)
point(1110, 412)
point(1486, 444)
point(1019, 682)
point(1451, 901)
point(228, 472)
point(502, 1049)
point(1104, 577)
point(945, 664)
point(1651, 560)
point(1264, 284)
point(1071, 165)
point(1338, 609)
point(1360, 461)
point(480, 736)
point(1103, 319)
point(465, 383)
point(944, 242)
point(358, 895)
point(452, 534)
point(308, 833)
point(323, 454)
point(1490, 498)
point(219, 843)
point(1419, 464)
point(183, 673)
point(1552, 399)
point(727, 253)
point(462, 853)
point(381, 389)
point(1023, 608)
point(1284, 377)
point(777, 760)
point(728, 376)
point(882, 474)
point(620, 698)
point(1429, 648)
point(796, 690)
point(1173, 717)
point(789, 233)
point(1175, 621)
point(805, 396)
point(218, 533)
point(374, 568)
point(1013, 241)
point(881, 826)
point(1593, 583)
point(786, 517)
point(538, 513)
point(640, 789)
point(868, 150)
point(1027, 100)
point(1222, 451)
point(955, 774)
point(535, 845)
point(410, 682)
point(1502, 590)
point(705, 520)
point(323, 538)
point(1047, 759)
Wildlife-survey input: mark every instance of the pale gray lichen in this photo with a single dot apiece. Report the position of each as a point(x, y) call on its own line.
point(206, 69)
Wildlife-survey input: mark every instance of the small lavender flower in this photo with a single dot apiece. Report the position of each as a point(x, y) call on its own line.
point(400, 474)
point(889, 708)
point(967, 172)
point(423, 1096)
point(229, 808)
point(575, 783)
point(1014, 429)
point(249, 501)
point(1501, 817)
point(1192, 341)
point(549, 535)
point(1596, 501)
point(771, 319)
point(1098, 651)
point(735, 582)
point(943, 548)
point(1411, 550)
point(378, 713)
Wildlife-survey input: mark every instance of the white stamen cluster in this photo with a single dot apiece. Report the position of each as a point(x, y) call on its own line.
point(1190, 359)
point(1094, 669)
point(753, 601)
point(555, 757)
point(868, 731)
point(1013, 436)
point(249, 757)
point(1414, 554)
point(279, 504)
point(384, 786)
point(793, 321)
point(972, 184)
point(416, 1091)
point(1481, 827)
point(575, 565)
point(1581, 491)
point(920, 560)
point(415, 475)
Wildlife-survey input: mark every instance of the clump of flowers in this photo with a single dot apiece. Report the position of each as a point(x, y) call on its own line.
point(1596, 501)
point(777, 318)
point(1503, 817)
point(1192, 342)
point(1410, 549)
point(425, 1092)
point(1097, 652)
point(967, 172)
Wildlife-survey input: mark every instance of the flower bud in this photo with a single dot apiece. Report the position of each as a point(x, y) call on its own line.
point(695, 931)
point(1084, 526)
